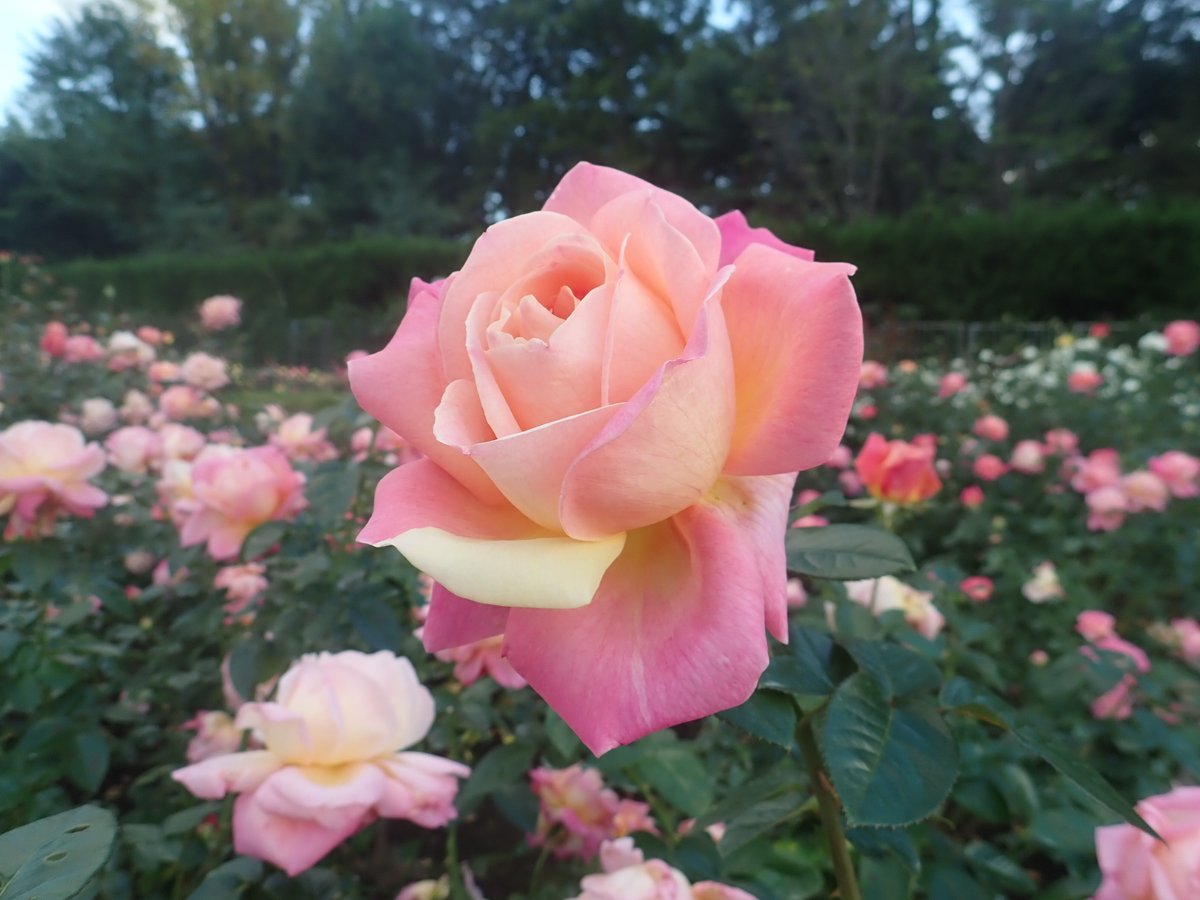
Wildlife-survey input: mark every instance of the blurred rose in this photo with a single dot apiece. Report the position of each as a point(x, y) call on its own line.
point(471, 661)
point(1101, 468)
point(1099, 330)
point(181, 441)
point(1183, 337)
point(360, 443)
point(82, 348)
point(206, 372)
point(237, 492)
point(241, 584)
point(182, 401)
point(1044, 585)
point(97, 415)
point(842, 457)
point(1027, 458)
point(1039, 658)
point(1180, 471)
point(1144, 491)
point(872, 375)
point(1117, 701)
point(54, 339)
point(1084, 379)
point(139, 562)
point(216, 735)
point(1062, 441)
point(978, 587)
point(330, 764)
point(221, 312)
point(133, 449)
point(1094, 624)
point(1106, 509)
point(44, 470)
point(575, 810)
point(127, 351)
point(300, 441)
point(896, 471)
point(164, 372)
point(628, 876)
point(136, 408)
point(991, 428)
point(881, 595)
point(971, 496)
point(1136, 866)
point(951, 384)
point(150, 335)
point(989, 467)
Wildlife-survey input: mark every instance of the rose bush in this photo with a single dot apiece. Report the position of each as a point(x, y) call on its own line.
point(613, 397)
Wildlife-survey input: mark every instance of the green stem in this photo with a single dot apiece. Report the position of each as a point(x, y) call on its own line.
point(831, 818)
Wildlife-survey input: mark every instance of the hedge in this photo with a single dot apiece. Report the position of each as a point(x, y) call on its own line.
point(1074, 263)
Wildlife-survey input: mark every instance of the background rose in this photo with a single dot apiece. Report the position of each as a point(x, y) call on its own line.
point(44, 469)
point(614, 396)
point(330, 763)
point(897, 471)
point(1138, 867)
point(219, 313)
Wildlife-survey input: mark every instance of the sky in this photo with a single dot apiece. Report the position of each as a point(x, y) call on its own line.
point(21, 22)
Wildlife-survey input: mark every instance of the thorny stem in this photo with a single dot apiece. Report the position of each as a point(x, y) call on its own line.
point(831, 818)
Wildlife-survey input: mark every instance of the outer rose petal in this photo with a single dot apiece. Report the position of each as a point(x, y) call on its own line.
point(489, 554)
point(420, 787)
point(797, 341)
point(453, 621)
point(230, 773)
point(292, 844)
point(403, 384)
point(336, 797)
point(737, 235)
point(664, 449)
point(676, 629)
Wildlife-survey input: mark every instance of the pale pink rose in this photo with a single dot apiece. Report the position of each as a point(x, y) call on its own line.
point(429, 889)
point(471, 661)
point(1061, 441)
point(1136, 866)
point(44, 470)
point(576, 810)
point(360, 443)
point(797, 597)
point(1044, 585)
point(216, 735)
point(841, 457)
point(182, 401)
point(1145, 491)
point(139, 562)
point(1180, 471)
point(628, 876)
point(872, 375)
point(951, 384)
point(1183, 337)
point(148, 334)
point(807, 496)
point(978, 587)
point(330, 764)
point(242, 586)
point(1028, 458)
point(395, 450)
point(1106, 509)
point(181, 442)
point(1101, 468)
point(269, 416)
point(613, 396)
point(81, 348)
point(850, 483)
point(1094, 624)
point(971, 496)
point(1084, 379)
point(1039, 658)
point(133, 449)
point(209, 373)
point(221, 312)
point(164, 372)
point(97, 416)
point(1117, 702)
point(127, 351)
point(897, 471)
point(631, 817)
point(989, 467)
point(54, 339)
point(881, 595)
point(237, 492)
point(1187, 635)
point(136, 408)
point(991, 428)
point(162, 576)
point(299, 441)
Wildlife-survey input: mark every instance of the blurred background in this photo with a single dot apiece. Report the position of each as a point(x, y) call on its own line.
point(979, 160)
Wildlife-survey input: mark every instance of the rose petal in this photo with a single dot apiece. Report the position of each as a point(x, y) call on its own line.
point(664, 449)
point(676, 629)
point(333, 796)
point(292, 844)
point(489, 554)
point(453, 621)
point(216, 776)
point(737, 235)
point(796, 336)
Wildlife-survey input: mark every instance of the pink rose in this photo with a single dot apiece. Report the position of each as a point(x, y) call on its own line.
point(1094, 624)
point(971, 496)
point(1138, 867)
point(216, 735)
point(180, 441)
point(1106, 509)
point(1028, 458)
point(82, 348)
point(242, 585)
point(1101, 468)
point(164, 372)
point(872, 375)
point(219, 313)
point(44, 470)
point(841, 457)
point(1117, 701)
point(1180, 471)
point(234, 493)
point(296, 437)
point(182, 401)
point(628, 876)
point(1145, 491)
point(150, 335)
point(133, 449)
point(978, 587)
point(97, 415)
point(951, 384)
point(1084, 380)
point(989, 467)
point(577, 812)
point(209, 373)
point(330, 764)
point(613, 397)
point(1062, 441)
point(136, 407)
point(1183, 337)
point(54, 339)
point(472, 661)
point(992, 428)
point(896, 471)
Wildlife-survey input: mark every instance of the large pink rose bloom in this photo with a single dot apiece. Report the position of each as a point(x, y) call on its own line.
point(330, 764)
point(44, 470)
point(1138, 867)
point(613, 396)
point(234, 493)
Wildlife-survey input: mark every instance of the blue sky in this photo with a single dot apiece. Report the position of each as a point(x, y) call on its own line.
point(21, 21)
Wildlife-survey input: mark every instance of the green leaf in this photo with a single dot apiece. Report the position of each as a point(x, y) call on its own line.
point(56, 857)
point(899, 670)
point(893, 763)
point(761, 817)
point(884, 878)
point(805, 669)
point(502, 765)
point(767, 715)
point(846, 552)
point(784, 779)
point(376, 623)
point(330, 492)
point(966, 698)
point(262, 539)
point(676, 772)
point(244, 663)
point(37, 563)
point(228, 879)
point(87, 759)
point(884, 842)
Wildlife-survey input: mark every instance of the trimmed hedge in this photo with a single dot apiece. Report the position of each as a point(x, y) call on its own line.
point(1074, 263)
